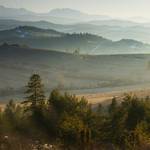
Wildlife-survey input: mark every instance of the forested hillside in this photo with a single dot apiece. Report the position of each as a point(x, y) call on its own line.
point(85, 43)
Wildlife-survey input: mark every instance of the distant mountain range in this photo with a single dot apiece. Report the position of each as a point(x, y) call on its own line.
point(85, 43)
point(111, 29)
point(61, 16)
point(73, 29)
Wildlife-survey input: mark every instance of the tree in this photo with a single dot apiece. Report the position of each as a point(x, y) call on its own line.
point(99, 109)
point(35, 91)
point(12, 116)
point(112, 106)
point(10, 111)
point(70, 128)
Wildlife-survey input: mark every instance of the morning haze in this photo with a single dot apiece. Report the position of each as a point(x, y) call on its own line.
point(74, 75)
point(115, 8)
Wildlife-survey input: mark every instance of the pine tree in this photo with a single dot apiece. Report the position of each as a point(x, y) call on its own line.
point(35, 91)
point(112, 106)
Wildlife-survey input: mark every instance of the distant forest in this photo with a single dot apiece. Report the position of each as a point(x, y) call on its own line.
point(87, 43)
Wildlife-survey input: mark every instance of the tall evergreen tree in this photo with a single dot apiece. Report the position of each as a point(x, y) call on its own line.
point(35, 91)
point(112, 107)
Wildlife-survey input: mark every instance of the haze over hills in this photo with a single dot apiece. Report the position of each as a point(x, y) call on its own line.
point(6, 24)
point(76, 15)
point(13, 12)
point(58, 70)
point(61, 16)
point(73, 21)
point(90, 34)
point(64, 16)
point(85, 43)
point(115, 22)
point(111, 29)
point(29, 32)
point(72, 80)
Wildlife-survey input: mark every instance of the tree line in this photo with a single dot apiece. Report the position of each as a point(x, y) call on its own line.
point(71, 123)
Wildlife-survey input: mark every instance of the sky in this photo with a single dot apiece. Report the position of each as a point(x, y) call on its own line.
point(114, 8)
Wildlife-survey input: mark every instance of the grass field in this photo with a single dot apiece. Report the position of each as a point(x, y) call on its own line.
point(74, 73)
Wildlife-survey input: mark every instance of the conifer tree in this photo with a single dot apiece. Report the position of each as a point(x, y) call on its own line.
point(112, 107)
point(35, 91)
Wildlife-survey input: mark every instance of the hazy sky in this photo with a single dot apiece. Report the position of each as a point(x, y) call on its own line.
point(119, 8)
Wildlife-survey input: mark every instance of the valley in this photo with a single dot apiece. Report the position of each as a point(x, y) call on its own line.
point(70, 72)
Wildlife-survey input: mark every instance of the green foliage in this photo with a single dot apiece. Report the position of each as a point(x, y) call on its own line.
point(11, 115)
point(35, 91)
point(112, 107)
point(70, 128)
point(128, 127)
point(66, 103)
point(76, 124)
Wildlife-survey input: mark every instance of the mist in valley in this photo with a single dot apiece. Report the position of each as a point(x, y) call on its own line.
point(70, 72)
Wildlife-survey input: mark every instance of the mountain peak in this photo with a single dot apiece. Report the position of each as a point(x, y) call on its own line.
point(10, 12)
point(67, 13)
point(65, 10)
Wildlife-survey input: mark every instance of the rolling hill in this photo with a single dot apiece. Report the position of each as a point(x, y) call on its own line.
point(83, 42)
point(73, 21)
point(111, 29)
point(6, 24)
